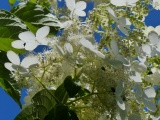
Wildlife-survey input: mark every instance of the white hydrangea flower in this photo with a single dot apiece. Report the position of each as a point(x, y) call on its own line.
point(151, 28)
point(76, 8)
point(122, 23)
point(153, 46)
point(136, 76)
point(153, 78)
point(22, 66)
point(91, 47)
point(118, 93)
point(115, 53)
point(29, 41)
point(66, 24)
point(139, 67)
point(145, 96)
point(156, 4)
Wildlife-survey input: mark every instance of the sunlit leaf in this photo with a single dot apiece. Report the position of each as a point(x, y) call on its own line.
point(36, 16)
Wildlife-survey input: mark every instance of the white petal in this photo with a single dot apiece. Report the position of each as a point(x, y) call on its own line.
point(66, 24)
point(153, 51)
point(123, 114)
point(118, 2)
point(150, 92)
point(137, 49)
point(13, 57)
point(86, 43)
point(146, 48)
point(19, 68)
point(123, 29)
point(119, 88)
point(43, 41)
point(112, 14)
point(115, 63)
point(60, 50)
point(9, 66)
point(70, 4)
point(134, 117)
point(19, 44)
point(138, 98)
point(28, 61)
point(139, 67)
point(135, 76)
point(147, 30)
point(123, 59)
point(42, 32)
point(142, 58)
point(80, 5)
point(150, 105)
point(114, 47)
point(153, 38)
point(68, 47)
point(99, 54)
point(138, 88)
point(120, 102)
point(129, 3)
point(154, 79)
point(124, 21)
point(27, 36)
point(157, 29)
point(79, 12)
point(31, 46)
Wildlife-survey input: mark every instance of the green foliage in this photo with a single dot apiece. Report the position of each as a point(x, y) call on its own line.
point(31, 16)
point(71, 87)
point(10, 27)
point(26, 114)
point(59, 112)
point(36, 15)
point(43, 102)
point(45, 107)
point(61, 94)
point(8, 84)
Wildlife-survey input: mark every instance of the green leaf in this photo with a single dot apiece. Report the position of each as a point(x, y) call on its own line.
point(5, 45)
point(43, 102)
point(31, 27)
point(71, 87)
point(37, 15)
point(61, 94)
point(10, 27)
point(25, 114)
point(59, 112)
point(8, 84)
point(11, 2)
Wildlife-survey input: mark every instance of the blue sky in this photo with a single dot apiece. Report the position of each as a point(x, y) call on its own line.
point(9, 109)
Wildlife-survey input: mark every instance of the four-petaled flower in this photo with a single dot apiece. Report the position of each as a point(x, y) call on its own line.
point(29, 41)
point(17, 65)
point(76, 8)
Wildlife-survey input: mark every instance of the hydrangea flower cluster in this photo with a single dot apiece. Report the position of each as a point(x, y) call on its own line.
point(120, 72)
